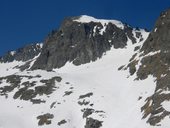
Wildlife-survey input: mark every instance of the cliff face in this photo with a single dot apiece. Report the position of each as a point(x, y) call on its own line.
point(83, 39)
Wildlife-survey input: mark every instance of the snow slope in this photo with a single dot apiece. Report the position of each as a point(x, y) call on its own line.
point(115, 97)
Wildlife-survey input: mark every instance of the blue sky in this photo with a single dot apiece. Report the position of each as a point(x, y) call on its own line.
point(27, 21)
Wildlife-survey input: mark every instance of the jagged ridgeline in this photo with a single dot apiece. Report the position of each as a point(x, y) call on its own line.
point(22, 54)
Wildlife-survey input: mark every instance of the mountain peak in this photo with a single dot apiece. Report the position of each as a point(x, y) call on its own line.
point(83, 39)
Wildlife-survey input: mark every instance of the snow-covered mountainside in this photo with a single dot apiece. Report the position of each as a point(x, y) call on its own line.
point(90, 73)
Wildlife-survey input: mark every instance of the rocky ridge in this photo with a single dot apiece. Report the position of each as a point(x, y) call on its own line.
point(25, 53)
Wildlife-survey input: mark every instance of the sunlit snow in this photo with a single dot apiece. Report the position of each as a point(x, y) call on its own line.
point(114, 92)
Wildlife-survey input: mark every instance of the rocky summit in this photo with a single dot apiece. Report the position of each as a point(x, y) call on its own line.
point(89, 73)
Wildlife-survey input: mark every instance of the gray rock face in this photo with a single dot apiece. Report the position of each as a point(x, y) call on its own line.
point(159, 38)
point(81, 43)
point(22, 54)
point(156, 64)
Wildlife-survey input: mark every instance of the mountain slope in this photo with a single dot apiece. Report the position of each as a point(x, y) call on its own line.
point(88, 74)
point(153, 59)
point(96, 88)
